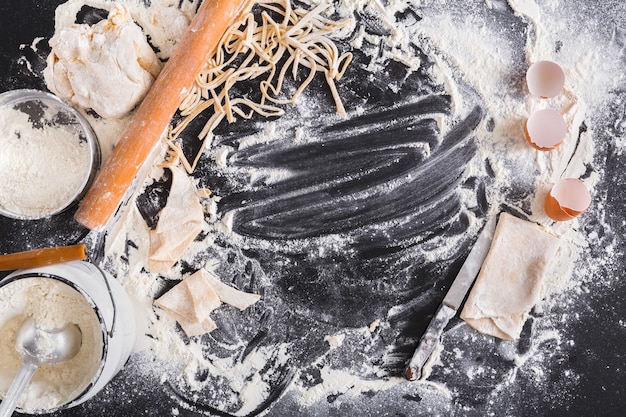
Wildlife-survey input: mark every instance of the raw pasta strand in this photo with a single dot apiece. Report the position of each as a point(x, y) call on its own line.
point(279, 42)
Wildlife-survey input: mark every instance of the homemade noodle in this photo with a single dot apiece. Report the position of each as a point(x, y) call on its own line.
point(267, 48)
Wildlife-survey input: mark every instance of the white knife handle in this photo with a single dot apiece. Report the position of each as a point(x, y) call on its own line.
point(429, 340)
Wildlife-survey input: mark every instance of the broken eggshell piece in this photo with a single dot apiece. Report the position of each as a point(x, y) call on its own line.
point(568, 198)
point(545, 129)
point(545, 79)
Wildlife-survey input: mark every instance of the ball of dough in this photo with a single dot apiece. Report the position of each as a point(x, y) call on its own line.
point(107, 67)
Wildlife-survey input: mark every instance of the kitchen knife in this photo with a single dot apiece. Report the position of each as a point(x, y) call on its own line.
point(452, 301)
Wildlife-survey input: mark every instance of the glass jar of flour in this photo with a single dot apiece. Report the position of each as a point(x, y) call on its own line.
point(76, 292)
point(50, 155)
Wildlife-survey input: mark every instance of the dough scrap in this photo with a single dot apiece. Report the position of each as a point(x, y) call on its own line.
point(230, 295)
point(180, 221)
point(192, 300)
point(108, 67)
point(510, 281)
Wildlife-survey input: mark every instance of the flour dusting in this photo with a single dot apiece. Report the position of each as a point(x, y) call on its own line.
point(352, 228)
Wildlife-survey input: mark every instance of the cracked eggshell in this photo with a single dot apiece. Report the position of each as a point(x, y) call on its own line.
point(568, 198)
point(545, 79)
point(545, 129)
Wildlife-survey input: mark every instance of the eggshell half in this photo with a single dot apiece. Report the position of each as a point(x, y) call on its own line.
point(545, 129)
point(568, 198)
point(545, 79)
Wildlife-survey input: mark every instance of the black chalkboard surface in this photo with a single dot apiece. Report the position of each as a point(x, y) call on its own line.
point(339, 243)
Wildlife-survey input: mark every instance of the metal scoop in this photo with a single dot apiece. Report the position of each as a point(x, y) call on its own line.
point(39, 347)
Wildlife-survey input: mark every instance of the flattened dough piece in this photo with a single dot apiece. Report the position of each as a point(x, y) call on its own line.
point(511, 278)
point(180, 221)
point(230, 295)
point(191, 301)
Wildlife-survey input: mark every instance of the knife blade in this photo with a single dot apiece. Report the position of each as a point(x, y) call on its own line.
point(452, 301)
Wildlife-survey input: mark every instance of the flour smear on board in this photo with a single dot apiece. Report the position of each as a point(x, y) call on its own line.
point(484, 45)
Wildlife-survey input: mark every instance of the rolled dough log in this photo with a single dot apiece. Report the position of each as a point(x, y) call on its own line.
point(510, 281)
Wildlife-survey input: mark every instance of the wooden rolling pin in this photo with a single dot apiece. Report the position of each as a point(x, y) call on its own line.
point(156, 110)
point(41, 257)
